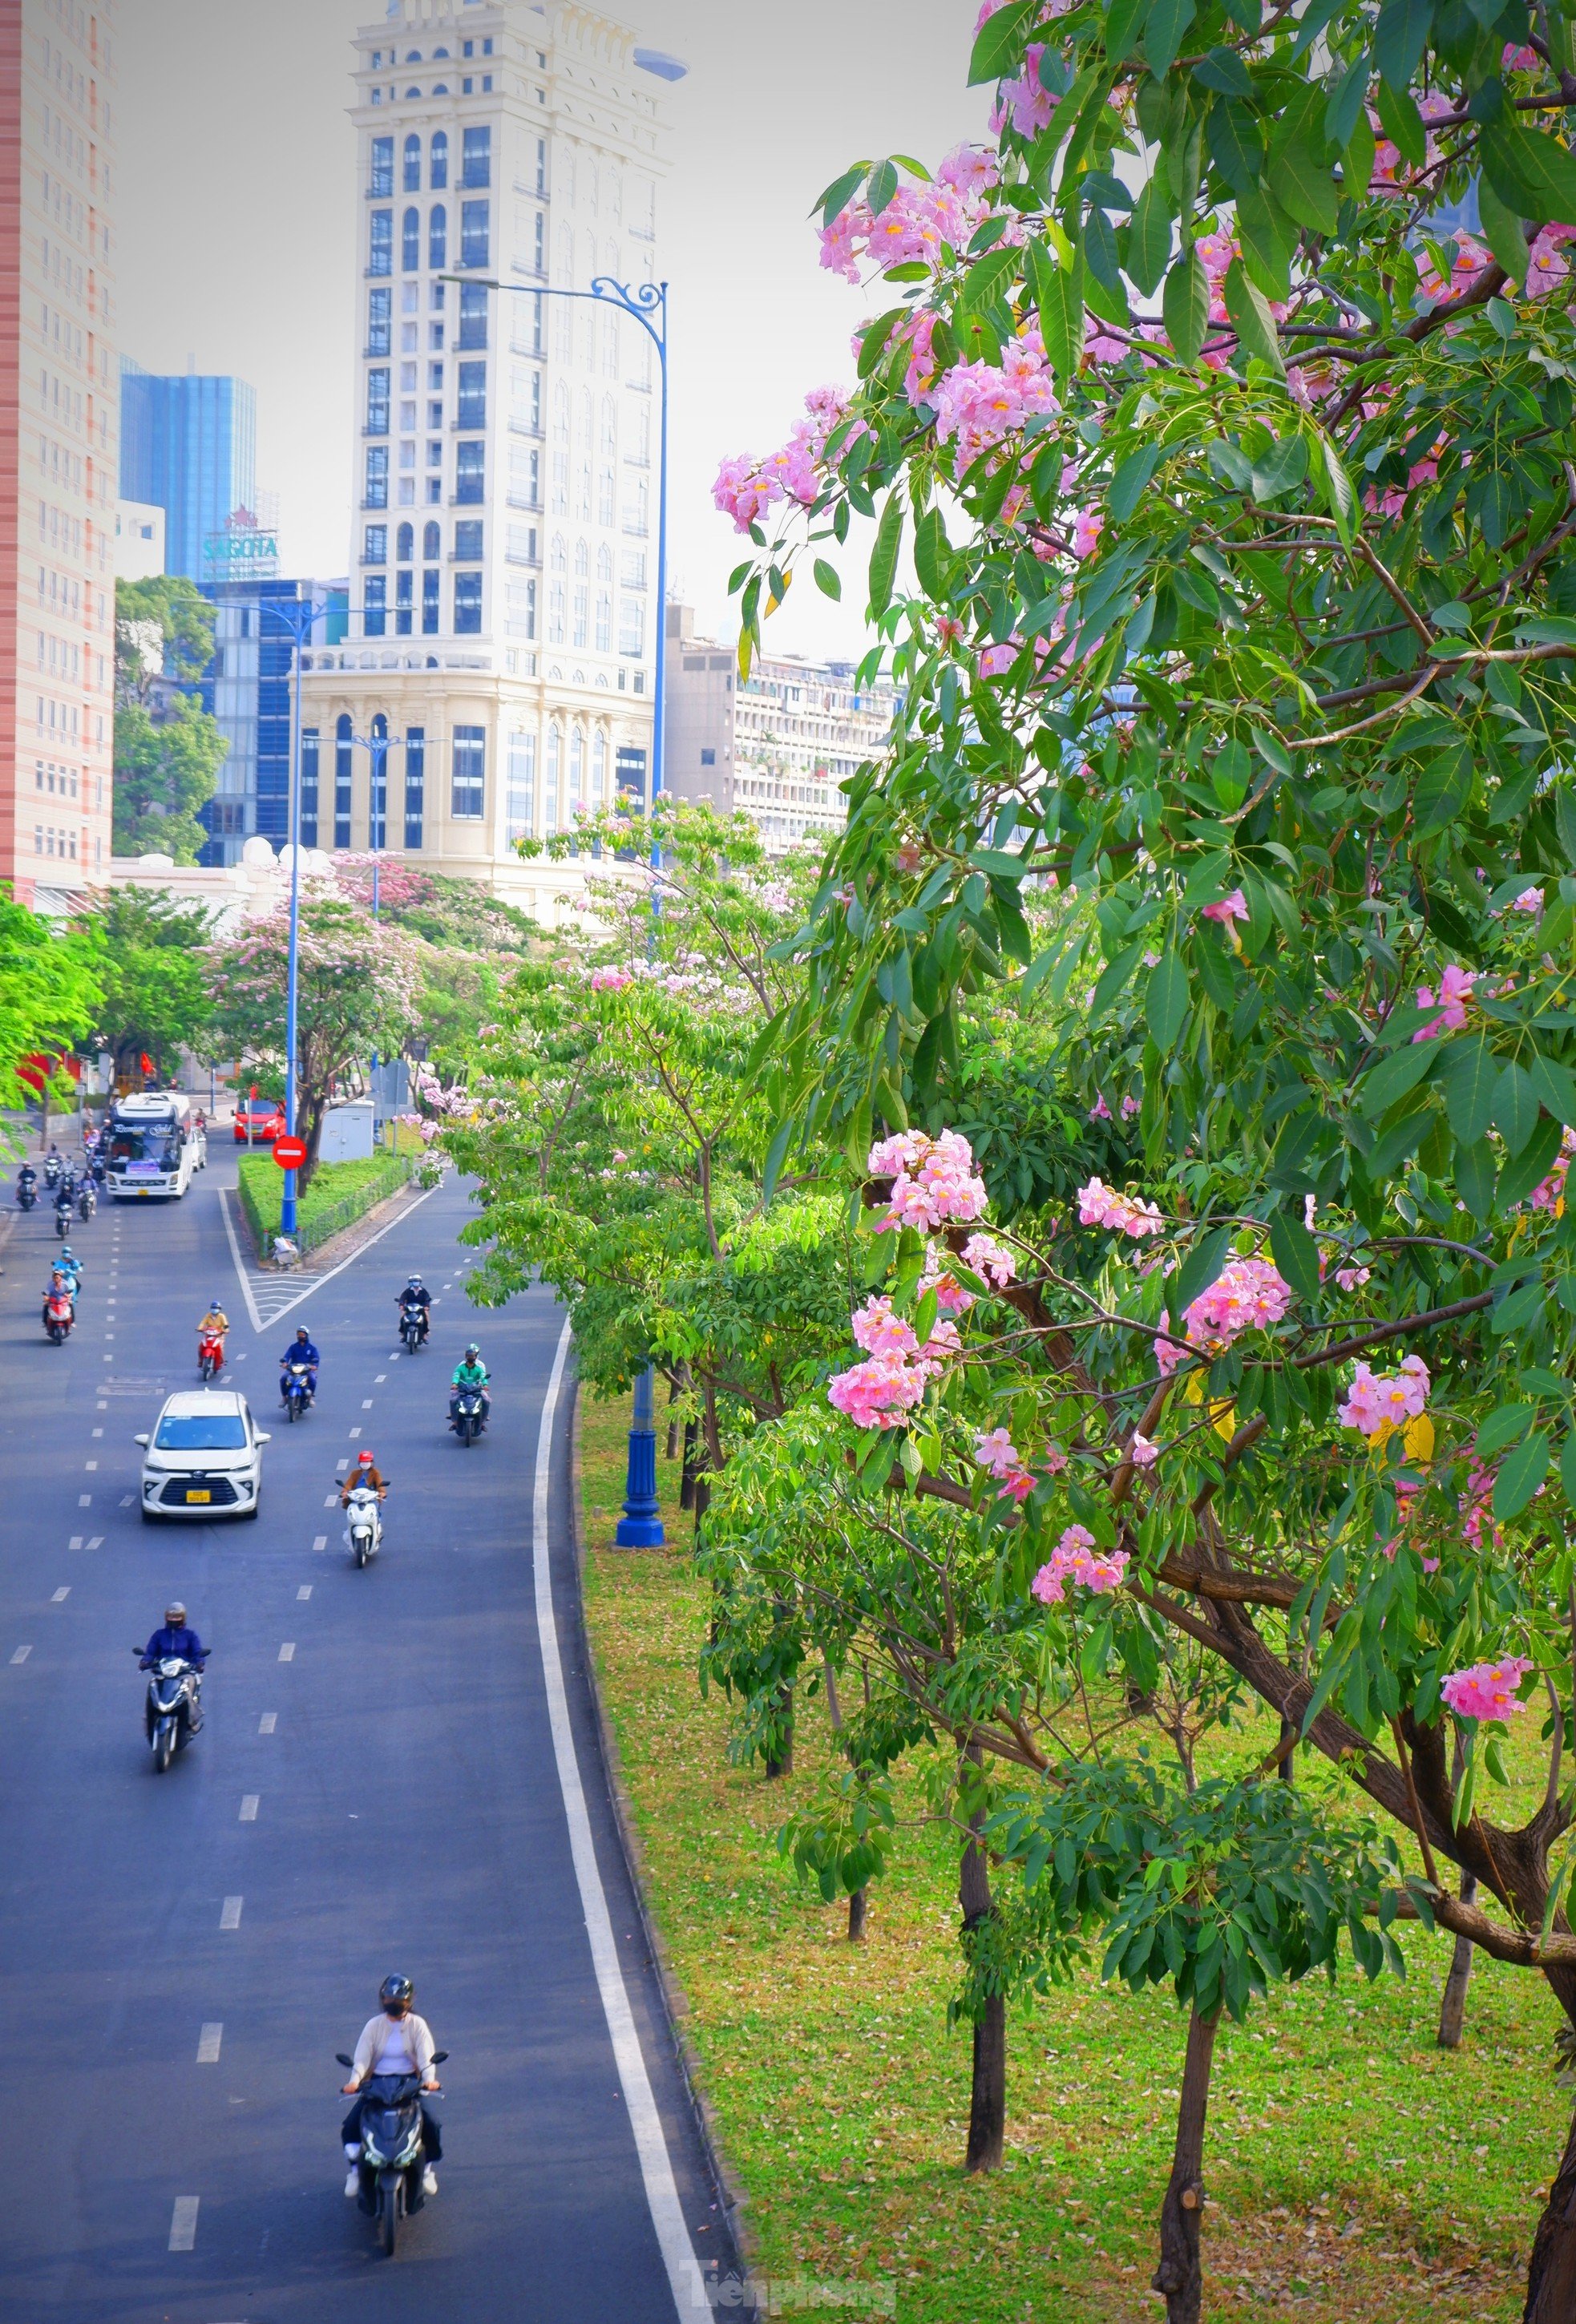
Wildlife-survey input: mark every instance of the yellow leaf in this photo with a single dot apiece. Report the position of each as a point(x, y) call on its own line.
point(1418, 1438)
point(1223, 1413)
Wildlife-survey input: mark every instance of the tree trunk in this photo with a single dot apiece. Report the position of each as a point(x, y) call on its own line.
point(858, 1907)
point(780, 1762)
point(687, 1475)
point(1551, 2275)
point(988, 2084)
point(856, 1897)
point(1453, 2009)
point(1180, 2274)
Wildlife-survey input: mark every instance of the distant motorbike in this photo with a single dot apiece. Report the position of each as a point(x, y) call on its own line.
point(211, 1354)
point(26, 1188)
point(412, 1327)
point(63, 1208)
point(60, 1313)
point(391, 2159)
point(86, 1199)
point(172, 1713)
point(365, 1532)
point(53, 1166)
point(296, 1389)
point(468, 1419)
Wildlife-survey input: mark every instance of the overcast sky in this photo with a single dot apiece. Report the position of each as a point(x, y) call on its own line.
point(238, 207)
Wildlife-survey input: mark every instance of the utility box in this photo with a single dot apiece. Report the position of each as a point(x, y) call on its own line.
point(347, 1133)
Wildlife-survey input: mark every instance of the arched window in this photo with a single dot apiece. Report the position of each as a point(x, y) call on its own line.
point(405, 544)
point(343, 762)
point(410, 252)
point(582, 560)
point(605, 563)
point(551, 796)
point(599, 767)
point(413, 57)
point(604, 619)
point(431, 543)
point(610, 346)
point(412, 165)
point(378, 781)
point(583, 434)
point(441, 90)
point(566, 252)
point(437, 177)
point(437, 238)
point(577, 766)
point(560, 413)
point(557, 594)
point(606, 494)
point(581, 597)
point(609, 425)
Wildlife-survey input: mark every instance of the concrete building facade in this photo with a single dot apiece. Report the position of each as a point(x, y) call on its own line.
point(139, 540)
point(58, 446)
point(780, 746)
point(503, 559)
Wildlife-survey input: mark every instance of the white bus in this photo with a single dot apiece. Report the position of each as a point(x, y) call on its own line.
point(153, 1147)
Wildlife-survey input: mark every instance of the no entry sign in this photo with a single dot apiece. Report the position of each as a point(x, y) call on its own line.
point(289, 1153)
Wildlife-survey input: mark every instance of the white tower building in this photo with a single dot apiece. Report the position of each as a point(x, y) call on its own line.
point(503, 623)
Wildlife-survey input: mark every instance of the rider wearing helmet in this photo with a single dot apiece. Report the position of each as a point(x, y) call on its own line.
point(396, 2041)
point(174, 1639)
point(302, 1352)
point(365, 1472)
point(417, 1297)
point(215, 1322)
point(68, 1264)
point(470, 1373)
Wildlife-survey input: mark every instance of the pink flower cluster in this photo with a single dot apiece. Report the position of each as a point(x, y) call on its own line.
point(879, 1393)
point(1375, 1399)
point(1101, 1206)
point(746, 488)
point(879, 1332)
point(1100, 1112)
point(935, 1181)
point(610, 979)
point(992, 1259)
point(1076, 1559)
point(1000, 1456)
point(1550, 1192)
point(951, 1298)
point(1488, 1690)
point(1024, 100)
point(1455, 989)
point(1231, 907)
point(1247, 1294)
point(1478, 1526)
point(977, 404)
point(921, 222)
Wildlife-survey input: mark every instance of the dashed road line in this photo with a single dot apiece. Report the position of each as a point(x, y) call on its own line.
point(230, 1912)
point(184, 2223)
point(208, 2041)
point(268, 1722)
point(321, 1540)
point(366, 1403)
point(22, 1653)
point(249, 1801)
point(303, 1593)
point(287, 1653)
point(61, 1596)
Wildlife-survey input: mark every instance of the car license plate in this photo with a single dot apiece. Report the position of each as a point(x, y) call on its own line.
point(204, 1496)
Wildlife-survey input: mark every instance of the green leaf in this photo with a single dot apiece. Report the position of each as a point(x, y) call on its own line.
point(836, 195)
point(1122, 27)
point(1516, 1108)
point(1400, 1138)
point(1165, 999)
point(1168, 21)
point(1568, 1468)
point(1199, 1269)
point(1565, 821)
point(1295, 1253)
point(1443, 789)
point(1149, 237)
point(883, 563)
point(1185, 306)
point(1303, 184)
point(1394, 1075)
point(1507, 1424)
point(1522, 1172)
point(1400, 38)
point(1470, 1072)
point(1475, 1176)
point(1251, 319)
point(1520, 1475)
point(1502, 230)
point(1533, 165)
point(997, 42)
point(1236, 148)
point(1280, 471)
point(1222, 70)
point(883, 185)
point(826, 579)
point(1268, 239)
point(1342, 500)
point(1401, 123)
point(1059, 296)
point(1131, 481)
point(1344, 108)
point(931, 550)
point(776, 1155)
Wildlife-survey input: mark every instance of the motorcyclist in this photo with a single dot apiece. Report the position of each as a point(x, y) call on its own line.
point(65, 1196)
point(52, 1167)
point(301, 1351)
point(215, 1324)
point(396, 2041)
point(416, 1295)
point(69, 1264)
point(177, 1639)
point(365, 1472)
point(26, 1179)
point(470, 1372)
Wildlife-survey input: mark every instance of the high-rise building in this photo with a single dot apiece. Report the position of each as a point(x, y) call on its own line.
point(189, 444)
point(502, 589)
point(58, 448)
point(247, 689)
point(780, 746)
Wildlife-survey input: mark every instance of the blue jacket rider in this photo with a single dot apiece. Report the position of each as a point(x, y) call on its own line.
point(301, 1351)
point(175, 1638)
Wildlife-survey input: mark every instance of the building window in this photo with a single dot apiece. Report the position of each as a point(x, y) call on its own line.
point(404, 543)
point(474, 234)
point(605, 487)
point(708, 758)
point(375, 545)
point(472, 402)
point(473, 314)
point(599, 770)
point(635, 568)
point(435, 456)
point(540, 248)
point(467, 793)
point(411, 241)
point(402, 603)
point(437, 176)
point(375, 597)
point(437, 238)
point(630, 773)
point(377, 322)
point(382, 167)
point(541, 165)
point(520, 800)
point(605, 600)
point(550, 801)
point(521, 596)
point(632, 625)
point(637, 506)
point(412, 166)
point(431, 543)
point(557, 590)
point(415, 783)
point(341, 772)
point(377, 476)
point(467, 604)
point(468, 540)
point(309, 831)
point(377, 403)
point(577, 768)
point(476, 165)
point(469, 474)
point(380, 247)
point(430, 604)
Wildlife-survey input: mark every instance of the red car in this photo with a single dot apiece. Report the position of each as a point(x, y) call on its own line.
point(260, 1118)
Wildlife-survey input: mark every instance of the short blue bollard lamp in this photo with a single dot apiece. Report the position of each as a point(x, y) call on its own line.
point(641, 1526)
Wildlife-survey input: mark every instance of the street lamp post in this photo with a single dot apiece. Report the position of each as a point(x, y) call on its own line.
point(641, 1526)
point(297, 617)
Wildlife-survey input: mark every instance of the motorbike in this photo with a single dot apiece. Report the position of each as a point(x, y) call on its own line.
point(26, 1191)
point(53, 1167)
point(296, 1388)
point(412, 1327)
point(391, 2159)
point(62, 1220)
point(60, 1313)
point(86, 1199)
point(211, 1354)
point(365, 1532)
point(470, 1418)
point(173, 1711)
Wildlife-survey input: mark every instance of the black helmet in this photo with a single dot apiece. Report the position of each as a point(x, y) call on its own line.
point(396, 1992)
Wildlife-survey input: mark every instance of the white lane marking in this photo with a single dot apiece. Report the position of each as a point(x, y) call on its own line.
point(109, 1360)
point(100, 1408)
point(90, 1466)
point(126, 1499)
point(61, 1596)
point(103, 1408)
point(355, 1432)
point(241, 1275)
point(366, 1403)
point(268, 1722)
point(378, 1379)
point(184, 2223)
point(330, 1498)
point(287, 1653)
point(321, 1540)
point(278, 1315)
point(22, 1653)
point(230, 1912)
point(207, 2042)
point(85, 1501)
point(249, 1806)
point(341, 1464)
point(303, 1593)
point(74, 1541)
point(684, 2275)
point(96, 1541)
point(393, 1355)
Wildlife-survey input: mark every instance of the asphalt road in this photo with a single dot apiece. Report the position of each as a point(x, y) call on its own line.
point(390, 1793)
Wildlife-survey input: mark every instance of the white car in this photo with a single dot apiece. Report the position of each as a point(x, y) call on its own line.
point(203, 1457)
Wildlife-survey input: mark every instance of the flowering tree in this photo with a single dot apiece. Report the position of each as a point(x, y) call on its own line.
point(51, 983)
point(357, 982)
point(1238, 479)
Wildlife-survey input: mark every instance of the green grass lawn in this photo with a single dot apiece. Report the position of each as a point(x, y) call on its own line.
point(1357, 2174)
point(332, 1184)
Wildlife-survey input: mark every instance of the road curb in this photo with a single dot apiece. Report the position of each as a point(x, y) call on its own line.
point(729, 2195)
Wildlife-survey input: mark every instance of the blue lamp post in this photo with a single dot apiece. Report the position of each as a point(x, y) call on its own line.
point(641, 1526)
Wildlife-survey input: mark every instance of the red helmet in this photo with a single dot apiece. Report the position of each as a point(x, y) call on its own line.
point(363, 1459)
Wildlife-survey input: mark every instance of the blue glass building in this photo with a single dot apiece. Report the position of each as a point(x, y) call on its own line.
point(189, 444)
point(246, 688)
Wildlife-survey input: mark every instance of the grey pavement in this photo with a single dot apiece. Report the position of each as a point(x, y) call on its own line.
point(409, 1815)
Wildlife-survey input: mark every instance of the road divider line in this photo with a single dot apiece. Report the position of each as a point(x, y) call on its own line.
point(207, 2042)
point(22, 1653)
point(684, 2275)
point(320, 1541)
point(287, 1653)
point(230, 1912)
point(61, 1596)
point(183, 2222)
point(74, 1541)
point(241, 1275)
point(268, 1722)
point(96, 1541)
point(303, 1593)
point(317, 1282)
point(249, 1801)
